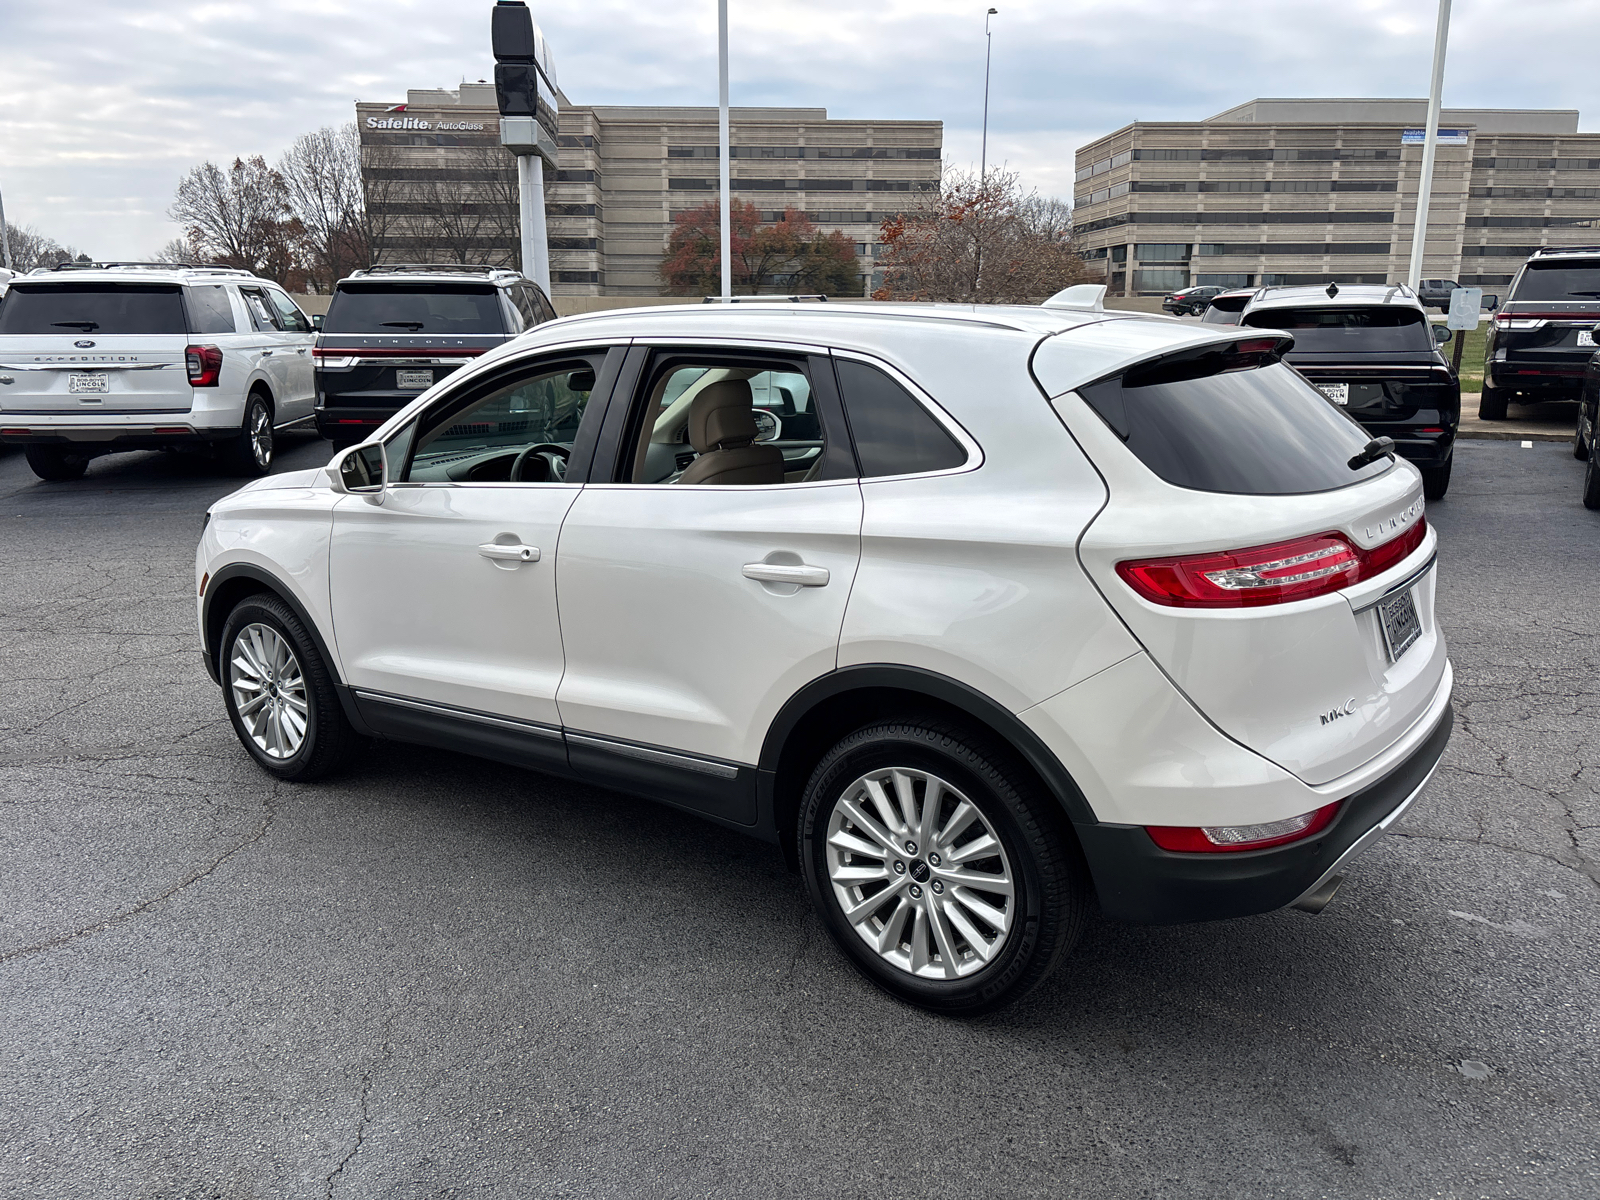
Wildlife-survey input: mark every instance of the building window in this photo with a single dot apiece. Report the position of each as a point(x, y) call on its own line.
point(1160, 281)
point(573, 210)
point(1229, 281)
point(1271, 280)
point(578, 277)
point(1480, 280)
point(1518, 164)
point(1497, 251)
point(574, 243)
point(1162, 251)
point(564, 176)
point(1119, 254)
point(902, 152)
point(575, 141)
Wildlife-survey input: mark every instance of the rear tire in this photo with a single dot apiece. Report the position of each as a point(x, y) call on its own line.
point(1591, 483)
point(1582, 438)
point(1492, 403)
point(250, 453)
point(57, 464)
point(981, 895)
point(280, 694)
point(1436, 480)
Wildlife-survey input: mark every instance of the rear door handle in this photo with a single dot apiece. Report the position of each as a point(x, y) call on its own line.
point(512, 553)
point(805, 576)
point(264, 353)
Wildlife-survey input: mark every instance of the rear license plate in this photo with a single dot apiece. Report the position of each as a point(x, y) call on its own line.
point(1339, 393)
point(1401, 625)
point(413, 379)
point(79, 383)
point(1586, 337)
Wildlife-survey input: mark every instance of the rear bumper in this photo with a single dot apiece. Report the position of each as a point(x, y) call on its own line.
point(118, 437)
point(1554, 381)
point(1138, 881)
point(344, 422)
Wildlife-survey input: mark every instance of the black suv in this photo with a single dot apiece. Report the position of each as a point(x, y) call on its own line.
point(392, 332)
point(1435, 293)
point(1542, 338)
point(1371, 350)
point(1190, 300)
point(1227, 307)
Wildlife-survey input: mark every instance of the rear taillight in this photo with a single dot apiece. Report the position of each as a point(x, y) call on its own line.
point(1214, 839)
point(204, 364)
point(1507, 321)
point(1275, 574)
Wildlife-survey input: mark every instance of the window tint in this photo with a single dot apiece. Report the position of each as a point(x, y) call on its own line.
point(210, 310)
point(1369, 330)
point(482, 442)
point(401, 308)
point(894, 434)
point(263, 317)
point(290, 317)
point(542, 303)
point(92, 308)
point(522, 301)
point(1260, 432)
point(1570, 282)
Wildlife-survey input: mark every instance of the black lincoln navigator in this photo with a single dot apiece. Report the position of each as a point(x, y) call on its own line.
point(1542, 338)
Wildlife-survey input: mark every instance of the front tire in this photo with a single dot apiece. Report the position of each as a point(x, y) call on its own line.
point(250, 453)
point(1591, 483)
point(1492, 403)
point(943, 874)
point(56, 464)
point(1582, 437)
point(279, 693)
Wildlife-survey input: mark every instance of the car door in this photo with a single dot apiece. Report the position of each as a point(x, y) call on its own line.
point(299, 371)
point(269, 349)
point(691, 611)
point(444, 593)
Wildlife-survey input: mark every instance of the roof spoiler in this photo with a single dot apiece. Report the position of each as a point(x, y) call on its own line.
point(1082, 297)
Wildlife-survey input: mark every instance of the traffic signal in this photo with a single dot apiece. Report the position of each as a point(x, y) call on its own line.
point(516, 84)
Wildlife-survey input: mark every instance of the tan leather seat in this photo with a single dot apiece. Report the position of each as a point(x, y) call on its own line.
point(723, 430)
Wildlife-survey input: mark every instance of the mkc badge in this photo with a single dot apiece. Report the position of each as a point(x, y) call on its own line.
point(1333, 714)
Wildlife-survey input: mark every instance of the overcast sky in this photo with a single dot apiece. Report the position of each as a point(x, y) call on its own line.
point(105, 103)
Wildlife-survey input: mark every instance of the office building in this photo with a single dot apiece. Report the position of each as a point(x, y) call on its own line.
point(1306, 191)
point(442, 189)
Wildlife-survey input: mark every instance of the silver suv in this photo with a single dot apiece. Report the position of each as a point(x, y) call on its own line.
point(138, 356)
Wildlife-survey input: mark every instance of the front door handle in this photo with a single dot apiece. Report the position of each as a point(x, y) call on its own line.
point(805, 576)
point(265, 353)
point(512, 553)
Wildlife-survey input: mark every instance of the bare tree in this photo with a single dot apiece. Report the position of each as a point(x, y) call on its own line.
point(240, 216)
point(466, 213)
point(979, 241)
point(178, 250)
point(322, 183)
point(30, 249)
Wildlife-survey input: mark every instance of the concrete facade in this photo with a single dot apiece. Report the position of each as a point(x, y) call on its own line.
point(625, 173)
point(1303, 191)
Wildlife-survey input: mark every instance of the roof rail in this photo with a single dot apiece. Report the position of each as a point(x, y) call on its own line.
point(762, 299)
point(1565, 250)
point(452, 268)
point(147, 266)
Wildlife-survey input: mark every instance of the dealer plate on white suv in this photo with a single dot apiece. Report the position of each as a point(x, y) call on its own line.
point(80, 382)
point(1339, 393)
point(1401, 625)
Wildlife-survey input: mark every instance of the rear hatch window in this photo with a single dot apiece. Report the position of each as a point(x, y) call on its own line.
point(399, 309)
point(1233, 419)
point(1371, 329)
point(1570, 282)
point(101, 309)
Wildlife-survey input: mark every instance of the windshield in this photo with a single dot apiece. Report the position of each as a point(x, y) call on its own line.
point(97, 308)
point(1260, 432)
point(1362, 330)
point(1569, 281)
point(403, 308)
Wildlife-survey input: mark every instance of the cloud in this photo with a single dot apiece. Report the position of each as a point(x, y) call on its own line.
point(104, 105)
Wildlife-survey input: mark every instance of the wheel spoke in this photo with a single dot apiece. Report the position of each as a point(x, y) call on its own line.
point(984, 947)
point(932, 801)
point(886, 810)
point(863, 909)
point(938, 917)
point(894, 928)
point(988, 913)
point(854, 875)
point(964, 815)
point(982, 846)
point(905, 794)
point(867, 825)
point(250, 706)
point(845, 840)
point(982, 880)
point(919, 941)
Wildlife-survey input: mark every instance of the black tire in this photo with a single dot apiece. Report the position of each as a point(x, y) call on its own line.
point(1050, 897)
point(1582, 437)
point(328, 736)
point(57, 464)
point(1492, 403)
point(250, 453)
point(1436, 480)
point(1591, 483)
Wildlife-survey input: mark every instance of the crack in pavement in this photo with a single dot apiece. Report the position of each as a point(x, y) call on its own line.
point(270, 812)
point(386, 1051)
point(1582, 867)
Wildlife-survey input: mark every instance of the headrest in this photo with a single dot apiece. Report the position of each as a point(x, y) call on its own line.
point(720, 416)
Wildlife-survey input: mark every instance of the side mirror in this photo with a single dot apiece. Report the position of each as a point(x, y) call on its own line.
point(1441, 335)
point(316, 322)
point(1492, 303)
point(361, 471)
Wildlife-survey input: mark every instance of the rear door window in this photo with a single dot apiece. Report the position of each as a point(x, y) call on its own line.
point(1360, 329)
point(210, 310)
point(423, 308)
point(92, 308)
point(1572, 282)
point(1210, 420)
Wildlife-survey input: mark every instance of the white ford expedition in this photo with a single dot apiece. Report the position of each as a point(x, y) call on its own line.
point(97, 360)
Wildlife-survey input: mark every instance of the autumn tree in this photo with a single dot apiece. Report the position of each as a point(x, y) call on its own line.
point(321, 174)
point(790, 253)
point(979, 241)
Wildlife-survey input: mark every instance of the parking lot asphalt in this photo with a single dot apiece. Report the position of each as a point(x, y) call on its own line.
point(439, 977)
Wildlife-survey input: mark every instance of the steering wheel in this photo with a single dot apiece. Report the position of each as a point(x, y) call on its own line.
point(555, 458)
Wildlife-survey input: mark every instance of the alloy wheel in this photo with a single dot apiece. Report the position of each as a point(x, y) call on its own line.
point(269, 691)
point(919, 873)
point(261, 434)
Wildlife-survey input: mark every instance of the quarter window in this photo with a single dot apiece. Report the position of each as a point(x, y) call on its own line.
point(210, 310)
point(894, 435)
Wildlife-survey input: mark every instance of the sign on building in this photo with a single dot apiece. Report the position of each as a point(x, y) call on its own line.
point(1447, 137)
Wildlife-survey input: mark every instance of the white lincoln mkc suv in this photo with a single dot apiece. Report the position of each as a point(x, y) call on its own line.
point(981, 615)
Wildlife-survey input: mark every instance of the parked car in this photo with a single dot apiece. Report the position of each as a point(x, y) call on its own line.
point(392, 332)
point(1583, 438)
point(1226, 307)
point(139, 356)
point(1541, 339)
point(1372, 351)
point(1040, 606)
point(1435, 293)
point(1190, 301)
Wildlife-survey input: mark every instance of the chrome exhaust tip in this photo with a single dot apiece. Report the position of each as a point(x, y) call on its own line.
point(1315, 901)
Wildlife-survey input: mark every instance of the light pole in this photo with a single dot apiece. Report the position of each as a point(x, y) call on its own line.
point(723, 152)
point(1430, 142)
point(988, 43)
point(5, 239)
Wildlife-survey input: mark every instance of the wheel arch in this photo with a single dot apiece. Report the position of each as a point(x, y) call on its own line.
point(830, 707)
point(236, 583)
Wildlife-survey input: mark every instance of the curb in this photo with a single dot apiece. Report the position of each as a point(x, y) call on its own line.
point(1509, 435)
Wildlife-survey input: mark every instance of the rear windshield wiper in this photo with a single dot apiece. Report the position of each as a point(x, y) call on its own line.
point(84, 326)
point(1377, 448)
point(413, 326)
